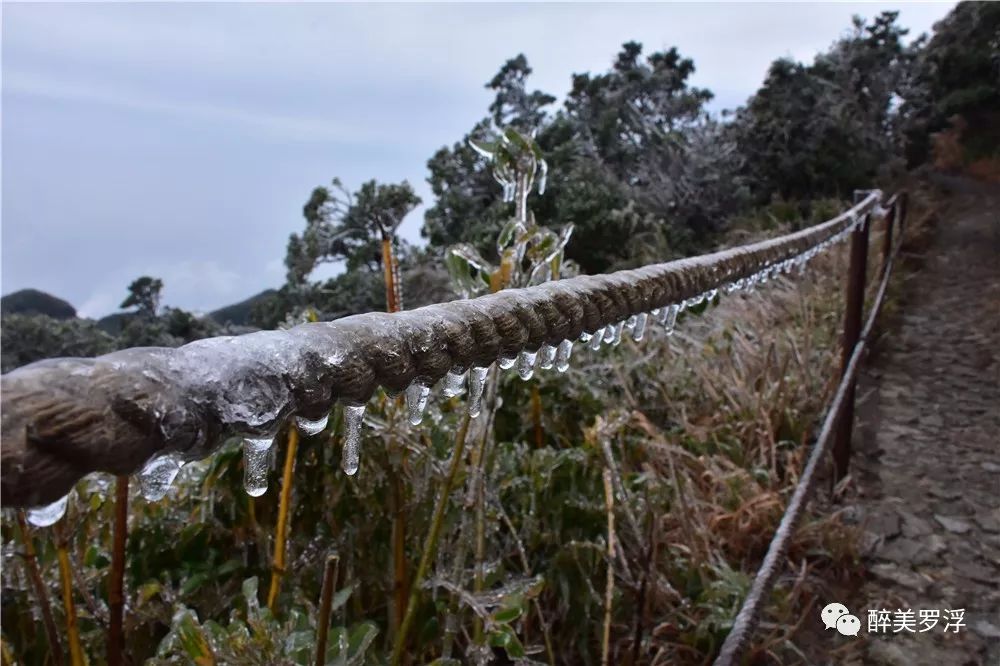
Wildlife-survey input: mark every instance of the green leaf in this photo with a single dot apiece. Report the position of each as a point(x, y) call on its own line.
point(503, 636)
point(193, 583)
point(508, 615)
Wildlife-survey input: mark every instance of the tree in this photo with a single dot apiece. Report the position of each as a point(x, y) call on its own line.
point(30, 338)
point(144, 295)
point(341, 226)
point(957, 72)
point(824, 129)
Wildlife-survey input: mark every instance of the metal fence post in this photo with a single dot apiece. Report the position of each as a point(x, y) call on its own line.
point(852, 331)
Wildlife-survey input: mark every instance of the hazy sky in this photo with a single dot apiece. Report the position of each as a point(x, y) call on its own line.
point(181, 140)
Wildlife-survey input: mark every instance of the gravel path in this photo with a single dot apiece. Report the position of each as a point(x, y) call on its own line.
point(928, 461)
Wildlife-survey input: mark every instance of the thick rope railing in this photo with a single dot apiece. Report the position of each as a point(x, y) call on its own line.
point(65, 418)
point(749, 614)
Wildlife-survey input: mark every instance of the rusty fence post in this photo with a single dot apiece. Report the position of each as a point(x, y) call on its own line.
point(853, 312)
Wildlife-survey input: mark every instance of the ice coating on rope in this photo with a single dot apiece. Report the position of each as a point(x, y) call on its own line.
point(354, 416)
point(563, 353)
point(43, 516)
point(546, 357)
point(310, 428)
point(639, 328)
point(507, 362)
point(157, 476)
point(416, 402)
point(454, 383)
point(255, 452)
point(477, 382)
point(526, 364)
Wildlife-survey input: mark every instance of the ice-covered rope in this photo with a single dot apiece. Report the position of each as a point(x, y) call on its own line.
point(756, 600)
point(65, 418)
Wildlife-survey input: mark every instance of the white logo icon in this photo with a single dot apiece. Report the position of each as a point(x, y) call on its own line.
point(848, 625)
point(834, 612)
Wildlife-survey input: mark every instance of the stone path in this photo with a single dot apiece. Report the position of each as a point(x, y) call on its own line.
point(928, 450)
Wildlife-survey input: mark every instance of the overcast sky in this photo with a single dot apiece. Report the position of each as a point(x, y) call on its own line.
point(181, 140)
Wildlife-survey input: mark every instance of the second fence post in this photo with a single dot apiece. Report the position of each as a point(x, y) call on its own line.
point(853, 312)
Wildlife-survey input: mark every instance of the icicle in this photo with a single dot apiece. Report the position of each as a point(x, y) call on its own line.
point(585, 337)
point(546, 357)
point(354, 416)
point(711, 294)
point(507, 362)
point(310, 428)
point(639, 329)
point(616, 335)
point(416, 402)
point(156, 477)
point(562, 355)
point(526, 364)
point(655, 312)
point(43, 516)
point(477, 381)
point(255, 465)
point(597, 339)
point(631, 322)
point(454, 383)
point(670, 321)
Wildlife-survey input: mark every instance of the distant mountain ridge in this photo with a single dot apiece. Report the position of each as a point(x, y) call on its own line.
point(37, 302)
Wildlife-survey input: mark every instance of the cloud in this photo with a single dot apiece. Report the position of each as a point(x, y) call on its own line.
point(289, 127)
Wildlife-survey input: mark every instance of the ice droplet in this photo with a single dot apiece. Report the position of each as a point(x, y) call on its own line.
point(310, 428)
point(655, 312)
point(616, 334)
point(609, 333)
point(156, 477)
point(477, 381)
point(526, 364)
point(354, 416)
point(454, 383)
point(597, 339)
point(670, 318)
point(639, 329)
point(255, 465)
point(563, 353)
point(43, 516)
point(546, 357)
point(507, 362)
point(416, 402)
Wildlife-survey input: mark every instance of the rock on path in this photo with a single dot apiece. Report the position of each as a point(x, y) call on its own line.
point(928, 463)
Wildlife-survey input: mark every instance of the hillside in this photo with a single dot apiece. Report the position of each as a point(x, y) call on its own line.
point(34, 301)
